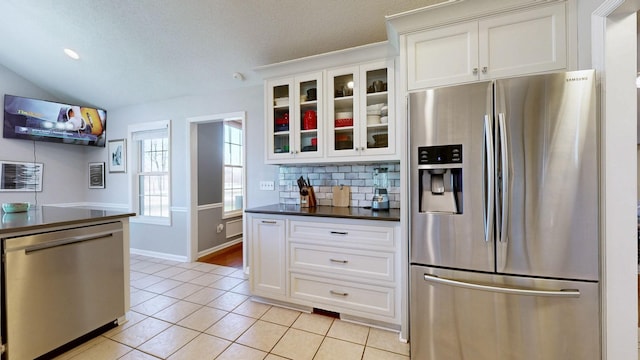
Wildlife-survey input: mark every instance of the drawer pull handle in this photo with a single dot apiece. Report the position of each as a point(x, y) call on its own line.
point(339, 293)
point(268, 221)
point(339, 261)
point(339, 233)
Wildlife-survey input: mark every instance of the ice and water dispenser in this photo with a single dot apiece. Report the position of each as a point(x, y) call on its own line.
point(440, 179)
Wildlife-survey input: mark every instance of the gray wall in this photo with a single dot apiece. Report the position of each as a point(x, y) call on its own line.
point(208, 236)
point(65, 174)
point(210, 186)
point(210, 162)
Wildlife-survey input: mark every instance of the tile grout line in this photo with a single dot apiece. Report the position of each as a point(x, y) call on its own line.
point(241, 290)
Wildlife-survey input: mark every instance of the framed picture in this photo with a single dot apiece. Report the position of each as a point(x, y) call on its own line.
point(20, 176)
point(96, 175)
point(117, 156)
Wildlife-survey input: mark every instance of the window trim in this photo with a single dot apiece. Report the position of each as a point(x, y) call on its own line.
point(235, 212)
point(132, 163)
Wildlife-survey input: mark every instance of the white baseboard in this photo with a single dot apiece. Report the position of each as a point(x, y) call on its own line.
point(218, 248)
point(159, 255)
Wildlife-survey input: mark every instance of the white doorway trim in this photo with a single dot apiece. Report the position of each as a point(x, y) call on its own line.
point(192, 174)
point(613, 43)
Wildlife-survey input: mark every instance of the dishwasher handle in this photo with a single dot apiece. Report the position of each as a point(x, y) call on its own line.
point(65, 241)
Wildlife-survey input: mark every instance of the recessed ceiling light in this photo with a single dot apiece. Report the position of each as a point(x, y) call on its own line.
point(72, 54)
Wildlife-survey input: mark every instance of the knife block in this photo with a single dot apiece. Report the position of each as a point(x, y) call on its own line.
point(308, 200)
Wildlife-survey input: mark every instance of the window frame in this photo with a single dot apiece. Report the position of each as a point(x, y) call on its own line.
point(237, 212)
point(133, 168)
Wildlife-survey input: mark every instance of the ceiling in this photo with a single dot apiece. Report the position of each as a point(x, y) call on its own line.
point(139, 51)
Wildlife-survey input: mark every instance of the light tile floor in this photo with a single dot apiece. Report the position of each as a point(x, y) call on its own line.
point(203, 311)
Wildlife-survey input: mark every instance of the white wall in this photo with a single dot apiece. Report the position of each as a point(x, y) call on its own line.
point(172, 240)
point(65, 175)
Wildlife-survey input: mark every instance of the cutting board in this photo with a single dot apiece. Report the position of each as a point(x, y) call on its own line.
point(341, 196)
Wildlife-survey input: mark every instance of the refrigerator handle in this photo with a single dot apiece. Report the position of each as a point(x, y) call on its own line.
point(565, 293)
point(504, 166)
point(489, 178)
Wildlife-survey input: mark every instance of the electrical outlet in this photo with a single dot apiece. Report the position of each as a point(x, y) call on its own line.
point(267, 185)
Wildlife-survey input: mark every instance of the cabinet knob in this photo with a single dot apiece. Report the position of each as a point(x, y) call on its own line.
point(475, 71)
point(484, 69)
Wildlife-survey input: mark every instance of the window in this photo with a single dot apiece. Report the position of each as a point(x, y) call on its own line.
point(151, 173)
point(233, 167)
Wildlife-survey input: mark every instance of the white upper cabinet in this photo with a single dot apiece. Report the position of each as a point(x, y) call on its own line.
point(294, 108)
point(511, 44)
point(361, 111)
point(341, 114)
point(446, 55)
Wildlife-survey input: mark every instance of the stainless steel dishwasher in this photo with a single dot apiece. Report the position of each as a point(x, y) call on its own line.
point(61, 285)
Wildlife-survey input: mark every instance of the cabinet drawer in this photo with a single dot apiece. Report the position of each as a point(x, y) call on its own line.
point(335, 234)
point(348, 262)
point(361, 299)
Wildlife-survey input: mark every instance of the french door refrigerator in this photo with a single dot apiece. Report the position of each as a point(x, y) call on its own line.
point(504, 237)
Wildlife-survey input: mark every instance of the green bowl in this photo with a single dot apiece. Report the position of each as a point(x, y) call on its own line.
point(15, 207)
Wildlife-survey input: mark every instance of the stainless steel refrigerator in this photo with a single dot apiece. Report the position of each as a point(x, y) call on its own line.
point(504, 237)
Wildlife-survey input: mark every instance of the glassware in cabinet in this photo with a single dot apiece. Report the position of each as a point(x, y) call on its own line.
point(309, 113)
point(280, 115)
point(343, 110)
point(377, 107)
point(295, 115)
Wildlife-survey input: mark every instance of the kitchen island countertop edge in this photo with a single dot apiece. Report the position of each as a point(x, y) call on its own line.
point(44, 217)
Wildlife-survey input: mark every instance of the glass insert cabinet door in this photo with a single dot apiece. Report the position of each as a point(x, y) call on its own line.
point(295, 115)
point(343, 110)
point(361, 110)
point(377, 105)
point(309, 115)
point(279, 116)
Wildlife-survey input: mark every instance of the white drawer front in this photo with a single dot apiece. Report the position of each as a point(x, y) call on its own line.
point(357, 263)
point(362, 299)
point(342, 234)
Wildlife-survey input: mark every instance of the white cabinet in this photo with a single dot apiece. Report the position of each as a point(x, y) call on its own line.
point(526, 42)
point(341, 114)
point(268, 257)
point(361, 110)
point(294, 118)
point(353, 267)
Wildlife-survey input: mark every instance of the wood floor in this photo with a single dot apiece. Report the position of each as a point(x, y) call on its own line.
point(231, 256)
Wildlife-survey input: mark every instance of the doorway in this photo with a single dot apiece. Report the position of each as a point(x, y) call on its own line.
point(217, 187)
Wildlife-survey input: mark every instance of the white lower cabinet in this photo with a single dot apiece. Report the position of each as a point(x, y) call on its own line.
point(351, 267)
point(357, 298)
point(268, 257)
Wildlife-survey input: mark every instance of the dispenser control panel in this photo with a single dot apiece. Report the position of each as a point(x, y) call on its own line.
point(444, 154)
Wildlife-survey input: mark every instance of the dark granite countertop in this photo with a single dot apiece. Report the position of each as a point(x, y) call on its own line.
point(41, 218)
point(329, 211)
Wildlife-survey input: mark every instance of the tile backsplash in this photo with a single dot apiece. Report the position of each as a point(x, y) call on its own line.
point(323, 177)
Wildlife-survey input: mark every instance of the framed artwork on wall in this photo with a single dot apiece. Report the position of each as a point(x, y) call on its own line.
point(20, 176)
point(117, 156)
point(96, 175)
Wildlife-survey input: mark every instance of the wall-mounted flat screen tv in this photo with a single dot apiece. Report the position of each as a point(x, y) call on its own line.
point(33, 119)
